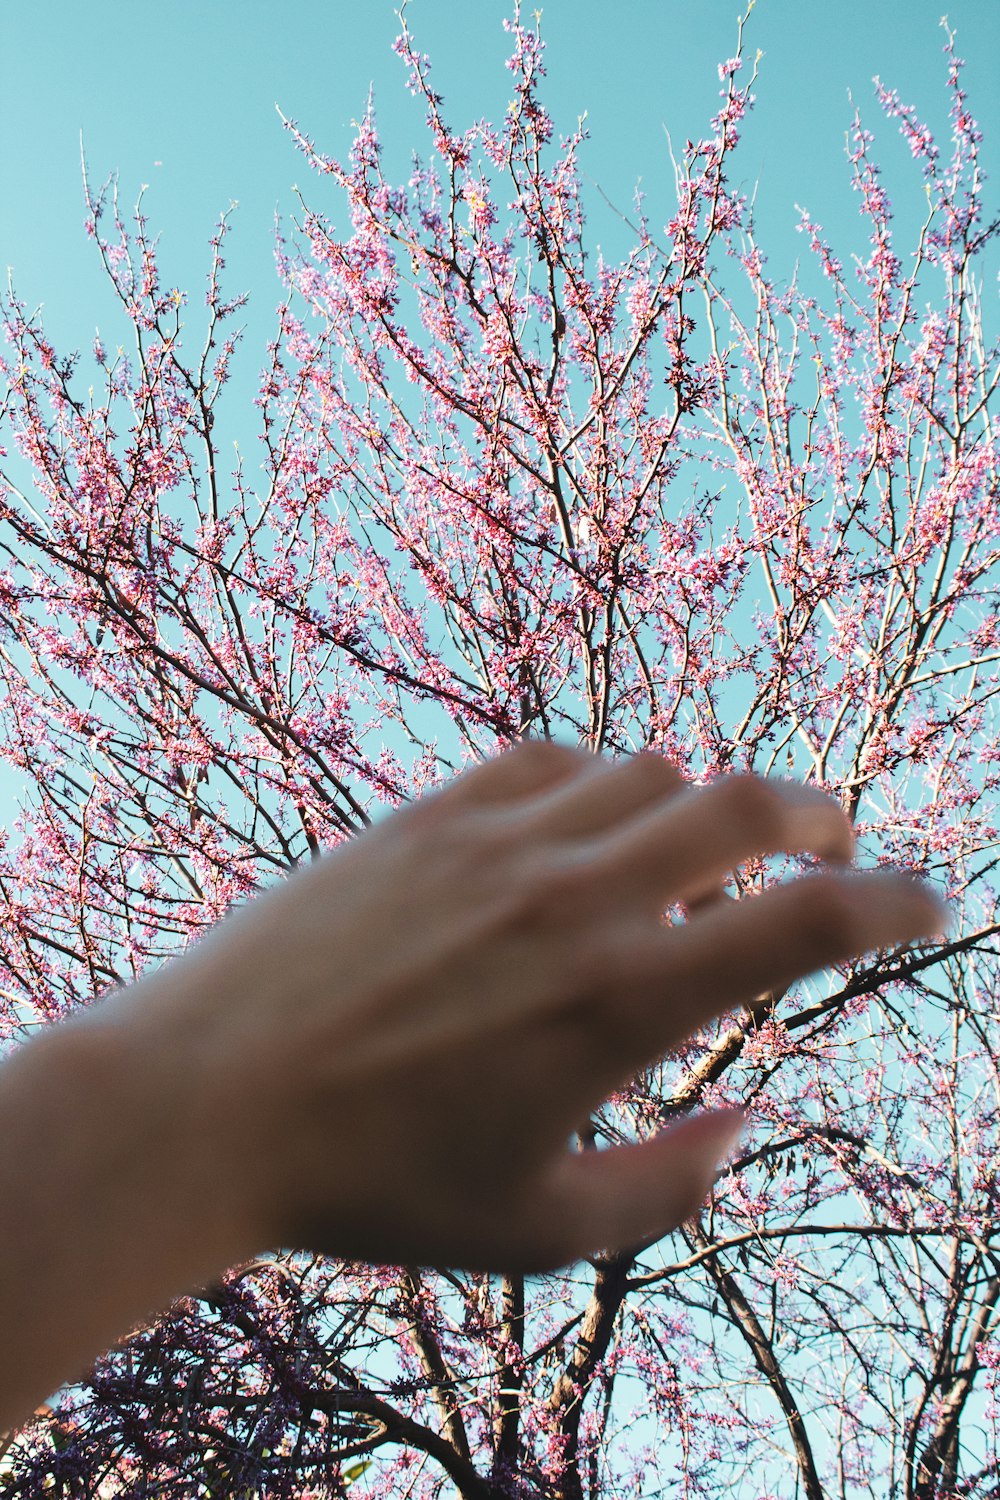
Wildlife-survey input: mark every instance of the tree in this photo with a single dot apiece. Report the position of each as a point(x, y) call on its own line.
point(669, 502)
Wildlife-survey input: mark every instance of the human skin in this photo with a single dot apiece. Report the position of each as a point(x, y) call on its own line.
point(385, 1056)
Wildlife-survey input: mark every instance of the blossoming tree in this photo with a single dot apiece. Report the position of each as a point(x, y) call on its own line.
point(665, 502)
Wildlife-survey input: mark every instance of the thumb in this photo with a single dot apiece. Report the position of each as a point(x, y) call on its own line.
point(619, 1197)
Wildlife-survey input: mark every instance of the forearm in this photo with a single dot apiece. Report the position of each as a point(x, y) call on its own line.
point(108, 1204)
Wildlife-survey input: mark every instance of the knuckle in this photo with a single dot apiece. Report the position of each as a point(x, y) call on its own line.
point(458, 847)
point(827, 915)
point(558, 887)
point(546, 753)
point(477, 845)
point(651, 769)
point(557, 1242)
point(625, 956)
point(752, 804)
point(519, 767)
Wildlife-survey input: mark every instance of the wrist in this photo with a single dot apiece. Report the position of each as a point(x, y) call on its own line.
point(178, 1142)
point(118, 1191)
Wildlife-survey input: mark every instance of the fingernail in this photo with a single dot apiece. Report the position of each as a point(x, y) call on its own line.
point(941, 918)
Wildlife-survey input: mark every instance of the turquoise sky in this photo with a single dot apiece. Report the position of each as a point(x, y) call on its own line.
point(182, 96)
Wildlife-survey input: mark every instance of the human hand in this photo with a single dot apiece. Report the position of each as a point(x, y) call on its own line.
point(404, 1034)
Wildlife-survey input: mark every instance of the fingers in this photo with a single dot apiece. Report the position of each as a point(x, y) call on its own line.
point(671, 981)
point(684, 846)
point(607, 793)
point(610, 1200)
point(522, 770)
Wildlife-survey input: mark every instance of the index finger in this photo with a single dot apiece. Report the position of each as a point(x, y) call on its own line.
point(682, 847)
point(655, 986)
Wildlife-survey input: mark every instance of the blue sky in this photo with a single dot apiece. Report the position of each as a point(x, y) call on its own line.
point(181, 96)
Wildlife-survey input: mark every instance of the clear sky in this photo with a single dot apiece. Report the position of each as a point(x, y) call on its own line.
point(181, 96)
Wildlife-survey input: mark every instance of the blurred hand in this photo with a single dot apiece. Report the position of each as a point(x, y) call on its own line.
point(402, 1036)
